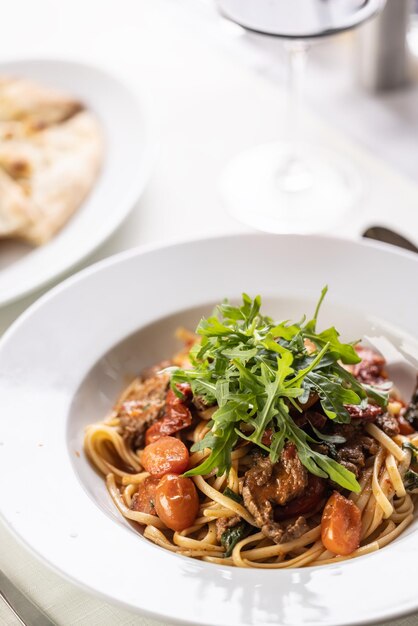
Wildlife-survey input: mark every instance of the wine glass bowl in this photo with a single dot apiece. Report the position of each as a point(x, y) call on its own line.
point(290, 185)
point(299, 19)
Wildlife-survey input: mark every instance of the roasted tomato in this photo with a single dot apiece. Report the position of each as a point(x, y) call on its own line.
point(341, 525)
point(368, 414)
point(305, 503)
point(177, 415)
point(185, 389)
point(371, 368)
point(167, 455)
point(405, 428)
point(267, 436)
point(144, 499)
point(176, 501)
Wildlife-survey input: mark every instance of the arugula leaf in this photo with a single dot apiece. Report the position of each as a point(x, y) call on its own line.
point(254, 368)
point(332, 395)
point(380, 396)
point(240, 353)
point(220, 457)
point(212, 327)
point(278, 440)
point(345, 351)
point(285, 331)
point(338, 473)
point(311, 325)
point(327, 438)
point(209, 441)
point(322, 465)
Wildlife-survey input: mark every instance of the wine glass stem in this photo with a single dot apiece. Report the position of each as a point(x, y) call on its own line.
point(296, 56)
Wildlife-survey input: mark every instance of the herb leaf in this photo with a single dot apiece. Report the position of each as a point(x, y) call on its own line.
point(411, 480)
point(231, 536)
point(327, 438)
point(412, 411)
point(234, 496)
point(408, 445)
point(254, 369)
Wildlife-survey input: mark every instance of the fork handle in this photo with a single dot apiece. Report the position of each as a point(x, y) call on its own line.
point(25, 610)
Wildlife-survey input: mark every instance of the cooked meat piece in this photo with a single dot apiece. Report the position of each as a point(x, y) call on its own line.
point(352, 457)
point(370, 370)
point(309, 502)
point(266, 484)
point(345, 430)
point(351, 467)
point(313, 399)
point(142, 408)
point(310, 417)
point(281, 481)
point(223, 523)
point(261, 470)
point(352, 454)
point(285, 531)
point(388, 424)
point(322, 448)
point(369, 414)
point(369, 444)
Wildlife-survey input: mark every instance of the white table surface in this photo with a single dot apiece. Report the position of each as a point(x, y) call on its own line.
point(210, 96)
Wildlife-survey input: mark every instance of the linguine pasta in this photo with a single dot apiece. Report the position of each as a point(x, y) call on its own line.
point(298, 452)
point(386, 508)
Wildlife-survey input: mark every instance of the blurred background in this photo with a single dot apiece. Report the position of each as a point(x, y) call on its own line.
point(214, 89)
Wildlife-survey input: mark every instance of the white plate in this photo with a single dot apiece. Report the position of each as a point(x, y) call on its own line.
point(128, 159)
point(64, 360)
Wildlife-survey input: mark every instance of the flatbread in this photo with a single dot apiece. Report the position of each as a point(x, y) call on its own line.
point(15, 208)
point(34, 104)
point(48, 163)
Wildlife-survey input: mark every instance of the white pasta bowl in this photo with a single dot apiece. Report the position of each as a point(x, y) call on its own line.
point(64, 361)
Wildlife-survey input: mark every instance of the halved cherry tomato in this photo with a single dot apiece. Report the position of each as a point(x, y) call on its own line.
point(144, 499)
point(176, 501)
point(341, 525)
point(405, 428)
point(167, 455)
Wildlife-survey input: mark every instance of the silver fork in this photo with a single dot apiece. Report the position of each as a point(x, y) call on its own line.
point(381, 233)
point(25, 610)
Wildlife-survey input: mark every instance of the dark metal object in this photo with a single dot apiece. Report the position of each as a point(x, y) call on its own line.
point(380, 233)
point(25, 610)
point(382, 50)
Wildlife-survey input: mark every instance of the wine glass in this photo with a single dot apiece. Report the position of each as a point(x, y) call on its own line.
point(290, 185)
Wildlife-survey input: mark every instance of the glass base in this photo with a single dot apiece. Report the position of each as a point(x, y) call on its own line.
point(284, 188)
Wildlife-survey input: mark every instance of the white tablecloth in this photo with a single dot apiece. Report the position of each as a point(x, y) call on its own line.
point(208, 104)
